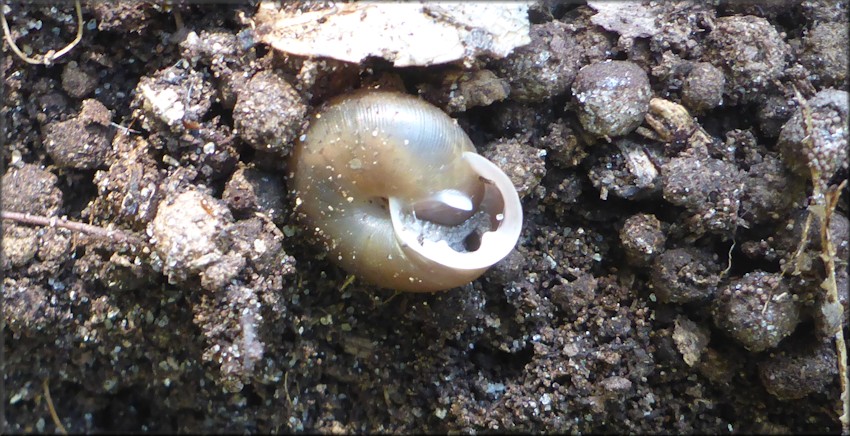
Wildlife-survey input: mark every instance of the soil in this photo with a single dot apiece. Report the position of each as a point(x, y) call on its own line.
point(657, 286)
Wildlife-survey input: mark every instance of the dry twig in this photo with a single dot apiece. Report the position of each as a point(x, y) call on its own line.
point(825, 200)
point(118, 236)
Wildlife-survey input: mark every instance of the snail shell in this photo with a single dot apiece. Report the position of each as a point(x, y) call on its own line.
point(394, 188)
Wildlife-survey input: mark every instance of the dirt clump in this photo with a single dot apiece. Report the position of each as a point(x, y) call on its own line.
point(826, 154)
point(751, 53)
point(268, 113)
point(792, 373)
point(643, 238)
point(684, 275)
point(84, 141)
point(758, 310)
point(703, 88)
point(612, 97)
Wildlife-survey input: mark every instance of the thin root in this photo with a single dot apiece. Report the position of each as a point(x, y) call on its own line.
point(53, 414)
point(51, 56)
point(348, 281)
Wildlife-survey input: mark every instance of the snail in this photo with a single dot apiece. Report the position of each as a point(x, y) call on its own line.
point(396, 191)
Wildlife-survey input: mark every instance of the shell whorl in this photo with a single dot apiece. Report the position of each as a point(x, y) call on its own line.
point(362, 167)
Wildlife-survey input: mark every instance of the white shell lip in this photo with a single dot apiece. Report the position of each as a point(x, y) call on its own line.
point(495, 244)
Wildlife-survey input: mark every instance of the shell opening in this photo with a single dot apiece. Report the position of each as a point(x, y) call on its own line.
point(449, 207)
point(477, 242)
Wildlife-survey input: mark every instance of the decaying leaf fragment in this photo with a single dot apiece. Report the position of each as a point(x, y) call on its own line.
point(407, 34)
point(628, 18)
point(691, 339)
